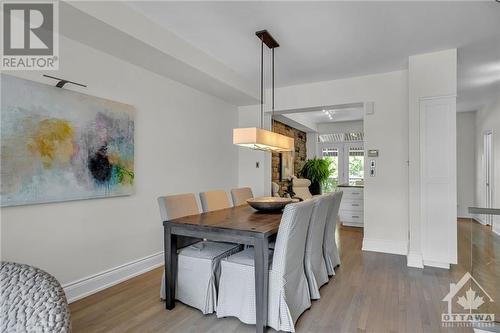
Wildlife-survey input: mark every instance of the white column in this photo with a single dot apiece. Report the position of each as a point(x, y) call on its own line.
point(432, 76)
point(311, 145)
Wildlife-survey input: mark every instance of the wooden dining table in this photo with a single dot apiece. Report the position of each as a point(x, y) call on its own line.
point(241, 225)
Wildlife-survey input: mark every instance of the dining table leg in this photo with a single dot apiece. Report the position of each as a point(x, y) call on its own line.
point(170, 244)
point(261, 266)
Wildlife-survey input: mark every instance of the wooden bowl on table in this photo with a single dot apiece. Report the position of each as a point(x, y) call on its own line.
point(269, 204)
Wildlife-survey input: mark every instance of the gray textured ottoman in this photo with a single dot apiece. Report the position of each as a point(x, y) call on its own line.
point(31, 300)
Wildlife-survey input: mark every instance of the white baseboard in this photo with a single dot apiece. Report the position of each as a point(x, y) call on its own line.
point(479, 219)
point(91, 284)
point(385, 246)
point(414, 259)
point(496, 228)
point(437, 264)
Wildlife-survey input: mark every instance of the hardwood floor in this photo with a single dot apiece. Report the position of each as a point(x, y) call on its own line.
point(372, 292)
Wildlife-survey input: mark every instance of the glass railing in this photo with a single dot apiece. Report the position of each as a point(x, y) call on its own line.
point(479, 255)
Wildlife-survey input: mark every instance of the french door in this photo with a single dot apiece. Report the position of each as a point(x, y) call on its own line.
point(347, 163)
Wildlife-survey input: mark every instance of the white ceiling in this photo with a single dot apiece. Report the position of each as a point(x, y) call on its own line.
point(319, 116)
point(329, 40)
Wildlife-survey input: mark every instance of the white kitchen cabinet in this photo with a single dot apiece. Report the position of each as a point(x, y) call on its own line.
point(351, 207)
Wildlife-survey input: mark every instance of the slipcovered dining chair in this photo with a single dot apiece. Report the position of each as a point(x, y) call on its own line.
point(314, 261)
point(198, 265)
point(330, 250)
point(240, 195)
point(300, 186)
point(288, 291)
point(214, 200)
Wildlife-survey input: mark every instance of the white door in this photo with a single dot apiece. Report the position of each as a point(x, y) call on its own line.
point(438, 181)
point(487, 174)
point(347, 162)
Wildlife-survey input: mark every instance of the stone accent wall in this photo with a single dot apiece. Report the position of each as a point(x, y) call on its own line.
point(300, 152)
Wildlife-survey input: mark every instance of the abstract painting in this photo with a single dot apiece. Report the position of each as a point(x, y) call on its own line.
point(60, 145)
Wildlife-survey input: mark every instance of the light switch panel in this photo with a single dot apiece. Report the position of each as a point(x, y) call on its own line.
point(372, 168)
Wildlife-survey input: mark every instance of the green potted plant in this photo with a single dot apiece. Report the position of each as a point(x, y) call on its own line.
point(317, 170)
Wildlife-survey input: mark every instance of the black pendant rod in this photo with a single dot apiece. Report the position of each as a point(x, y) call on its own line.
point(272, 115)
point(271, 43)
point(262, 84)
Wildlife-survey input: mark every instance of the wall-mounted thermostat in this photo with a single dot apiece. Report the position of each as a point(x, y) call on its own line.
point(373, 153)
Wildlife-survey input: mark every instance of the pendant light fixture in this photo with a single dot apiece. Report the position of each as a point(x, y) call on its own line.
point(259, 138)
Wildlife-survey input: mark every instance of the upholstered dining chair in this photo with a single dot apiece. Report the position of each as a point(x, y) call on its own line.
point(214, 200)
point(300, 186)
point(240, 195)
point(314, 261)
point(288, 289)
point(330, 250)
point(197, 264)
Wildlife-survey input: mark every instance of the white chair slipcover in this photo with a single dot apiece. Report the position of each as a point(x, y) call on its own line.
point(275, 188)
point(300, 186)
point(314, 262)
point(214, 200)
point(240, 195)
point(198, 265)
point(288, 290)
point(330, 250)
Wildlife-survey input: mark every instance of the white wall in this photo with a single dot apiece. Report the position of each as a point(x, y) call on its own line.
point(488, 118)
point(466, 162)
point(183, 143)
point(341, 127)
point(386, 198)
point(430, 75)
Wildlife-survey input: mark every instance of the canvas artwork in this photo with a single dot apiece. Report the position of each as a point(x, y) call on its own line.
point(287, 161)
point(59, 145)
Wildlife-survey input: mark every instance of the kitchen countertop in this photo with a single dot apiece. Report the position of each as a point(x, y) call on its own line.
point(351, 185)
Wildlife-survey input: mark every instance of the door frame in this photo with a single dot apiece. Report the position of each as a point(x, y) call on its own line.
point(487, 184)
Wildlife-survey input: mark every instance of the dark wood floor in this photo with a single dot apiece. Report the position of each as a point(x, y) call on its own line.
point(372, 292)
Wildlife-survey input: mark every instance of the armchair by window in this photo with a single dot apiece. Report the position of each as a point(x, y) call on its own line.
point(301, 188)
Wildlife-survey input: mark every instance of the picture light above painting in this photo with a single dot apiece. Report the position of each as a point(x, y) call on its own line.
point(61, 145)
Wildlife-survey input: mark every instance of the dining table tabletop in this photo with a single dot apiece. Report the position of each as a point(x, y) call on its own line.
point(242, 225)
